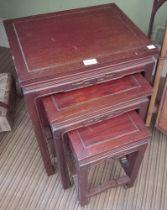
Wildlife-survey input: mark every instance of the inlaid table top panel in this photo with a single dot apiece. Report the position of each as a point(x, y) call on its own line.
point(64, 108)
point(108, 135)
point(56, 44)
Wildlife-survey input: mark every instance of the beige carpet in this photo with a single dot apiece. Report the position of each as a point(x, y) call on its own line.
point(25, 185)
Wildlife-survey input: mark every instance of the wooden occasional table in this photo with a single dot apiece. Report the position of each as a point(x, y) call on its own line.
point(73, 49)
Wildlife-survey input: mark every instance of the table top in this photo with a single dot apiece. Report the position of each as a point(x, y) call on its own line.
point(109, 136)
point(69, 44)
point(64, 109)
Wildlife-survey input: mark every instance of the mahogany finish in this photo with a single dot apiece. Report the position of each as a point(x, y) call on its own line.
point(53, 46)
point(79, 108)
point(122, 136)
point(48, 52)
point(63, 109)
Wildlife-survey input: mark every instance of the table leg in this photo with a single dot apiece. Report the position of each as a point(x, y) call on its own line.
point(37, 125)
point(61, 159)
point(135, 160)
point(148, 73)
point(143, 110)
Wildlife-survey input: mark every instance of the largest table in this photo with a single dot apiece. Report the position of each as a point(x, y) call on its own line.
point(72, 49)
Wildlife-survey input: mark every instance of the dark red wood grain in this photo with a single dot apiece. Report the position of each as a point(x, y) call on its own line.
point(48, 52)
point(108, 136)
point(96, 100)
point(80, 108)
point(124, 136)
point(56, 44)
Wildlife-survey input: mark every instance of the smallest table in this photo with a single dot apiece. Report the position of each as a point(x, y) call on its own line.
point(122, 138)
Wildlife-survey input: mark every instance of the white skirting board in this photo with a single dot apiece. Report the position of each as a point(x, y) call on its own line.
point(3, 38)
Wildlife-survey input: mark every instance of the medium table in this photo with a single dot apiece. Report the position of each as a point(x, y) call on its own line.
point(68, 50)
